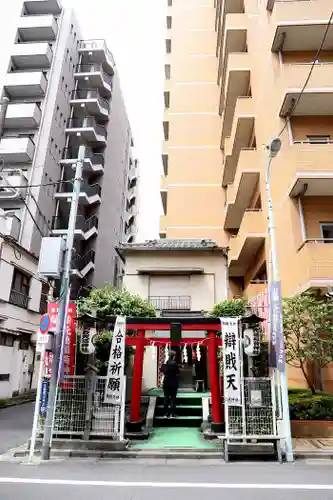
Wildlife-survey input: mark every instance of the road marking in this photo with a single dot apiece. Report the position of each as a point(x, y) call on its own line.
point(149, 484)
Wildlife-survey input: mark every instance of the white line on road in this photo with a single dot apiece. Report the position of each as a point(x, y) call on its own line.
point(148, 484)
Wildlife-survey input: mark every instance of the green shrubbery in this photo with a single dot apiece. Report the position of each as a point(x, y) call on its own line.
point(307, 406)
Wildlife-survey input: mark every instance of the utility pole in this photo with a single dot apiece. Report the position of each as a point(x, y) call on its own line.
point(61, 327)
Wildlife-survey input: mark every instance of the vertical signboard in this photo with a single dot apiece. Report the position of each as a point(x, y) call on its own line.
point(115, 376)
point(277, 351)
point(69, 346)
point(231, 361)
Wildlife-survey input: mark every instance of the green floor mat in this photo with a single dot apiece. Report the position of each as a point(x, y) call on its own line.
point(174, 437)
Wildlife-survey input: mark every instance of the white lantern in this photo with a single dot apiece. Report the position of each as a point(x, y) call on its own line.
point(198, 352)
point(166, 354)
point(185, 358)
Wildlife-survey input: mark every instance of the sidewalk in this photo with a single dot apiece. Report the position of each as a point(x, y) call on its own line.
point(313, 448)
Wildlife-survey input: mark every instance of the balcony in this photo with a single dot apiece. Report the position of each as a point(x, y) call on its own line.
point(255, 288)
point(84, 228)
point(25, 84)
point(239, 194)
point(131, 213)
point(88, 129)
point(163, 223)
point(17, 150)
point(237, 85)
point(241, 134)
point(314, 265)
point(309, 165)
point(171, 303)
point(236, 26)
point(82, 265)
point(300, 25)
point(94, 76)
point(244, 246)
point(32, 55)
point(92, 163)
point(13, 185)
point(43, 305)
point(25, 115)
point(10, 225)
point(19, 299)
point(96, 51)
point(164, 193)
point(90, 102)
point(37, 28)
point(37, 7)
point(317, 98)
point(89, 195)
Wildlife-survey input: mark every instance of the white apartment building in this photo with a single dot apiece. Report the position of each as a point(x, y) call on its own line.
point(58, 92)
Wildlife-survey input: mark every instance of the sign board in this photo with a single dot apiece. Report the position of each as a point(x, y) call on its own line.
point(277, 351)
point(231, 361)
point(116, 376)
point(44, 398)
point(70, 340)
point(42, 335)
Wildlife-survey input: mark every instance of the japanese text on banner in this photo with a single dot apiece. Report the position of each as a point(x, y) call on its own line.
point(115, 375)
point(231, 361)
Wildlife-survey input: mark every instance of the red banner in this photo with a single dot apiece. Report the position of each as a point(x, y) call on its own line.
point(69, 347)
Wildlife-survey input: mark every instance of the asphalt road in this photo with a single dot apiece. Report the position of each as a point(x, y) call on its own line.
point(179, 480)
point(15, 425)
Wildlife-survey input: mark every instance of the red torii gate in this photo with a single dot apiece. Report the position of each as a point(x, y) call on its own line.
point(143, 325)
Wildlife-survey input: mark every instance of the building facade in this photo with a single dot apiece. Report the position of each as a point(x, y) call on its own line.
point(239, 73)
point(59, 92)
point(182, 279)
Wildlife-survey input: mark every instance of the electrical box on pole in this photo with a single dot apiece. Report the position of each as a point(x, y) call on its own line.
point(51, 257)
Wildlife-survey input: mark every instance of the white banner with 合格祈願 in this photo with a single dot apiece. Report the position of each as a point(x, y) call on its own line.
point(231, 361)
point(116, 369)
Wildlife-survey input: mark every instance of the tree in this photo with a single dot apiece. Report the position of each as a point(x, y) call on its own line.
point(229, 308)
point(307, 324)
point(111, 301)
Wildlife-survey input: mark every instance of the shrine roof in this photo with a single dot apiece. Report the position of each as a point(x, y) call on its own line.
point(169, 244)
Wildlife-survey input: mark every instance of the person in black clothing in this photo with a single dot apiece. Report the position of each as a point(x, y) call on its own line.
point(171, 372)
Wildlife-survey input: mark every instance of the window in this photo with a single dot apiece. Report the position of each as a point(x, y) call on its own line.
point(6, 340)
point(168, 45)
point(326, 229)
point(167, 71)
point(167, 100)
point(24, 343)
point(318, 139)
point(4, 377)
point(169, 3)
point(19, 294)
point(169, 22)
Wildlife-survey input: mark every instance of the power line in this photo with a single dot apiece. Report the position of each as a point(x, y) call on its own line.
point(309, 75)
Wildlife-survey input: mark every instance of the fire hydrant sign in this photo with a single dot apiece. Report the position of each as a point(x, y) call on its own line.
point(231, 361)
point(115, 376)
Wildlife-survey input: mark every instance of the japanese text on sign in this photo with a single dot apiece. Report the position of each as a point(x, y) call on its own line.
point(231, 361)
point(115, 375)
point(277, 340)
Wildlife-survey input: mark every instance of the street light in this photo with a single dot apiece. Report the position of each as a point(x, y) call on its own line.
point(273, 149)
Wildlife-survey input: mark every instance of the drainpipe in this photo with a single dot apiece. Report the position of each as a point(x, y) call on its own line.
point(301, 212)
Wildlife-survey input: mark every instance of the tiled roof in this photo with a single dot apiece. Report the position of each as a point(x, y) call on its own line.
point(170, 244)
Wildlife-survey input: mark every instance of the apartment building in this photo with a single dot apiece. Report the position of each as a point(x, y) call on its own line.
point(239, 73)
point(59, 92)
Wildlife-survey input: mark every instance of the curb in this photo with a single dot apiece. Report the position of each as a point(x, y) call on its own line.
point(30, 399)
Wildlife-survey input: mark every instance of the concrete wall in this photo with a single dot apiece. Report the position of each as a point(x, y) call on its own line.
point(114, 182)
point(204, 289)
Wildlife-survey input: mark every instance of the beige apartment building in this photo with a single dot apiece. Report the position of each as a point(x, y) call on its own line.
point(237, 74)
point(234, 69)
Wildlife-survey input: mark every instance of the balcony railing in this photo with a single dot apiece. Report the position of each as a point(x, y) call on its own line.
point(171, 303)
point(87, 122)
point(82, 223)
point(90, 190)
point(90, 94)
point(72, 154)
point(94, 68)
point(97, 45)
point(43, 304)
point(19, 299)
point(80, 262)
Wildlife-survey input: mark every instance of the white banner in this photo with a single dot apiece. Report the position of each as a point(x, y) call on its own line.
point(115, 376)
point(231, 361)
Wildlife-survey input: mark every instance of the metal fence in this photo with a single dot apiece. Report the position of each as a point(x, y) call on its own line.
point(256, 418)
point(81, 412)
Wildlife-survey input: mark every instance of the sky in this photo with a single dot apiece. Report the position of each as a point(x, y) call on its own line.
point(134, 32)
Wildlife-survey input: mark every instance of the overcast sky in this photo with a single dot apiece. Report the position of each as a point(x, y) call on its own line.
point(134, 31)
